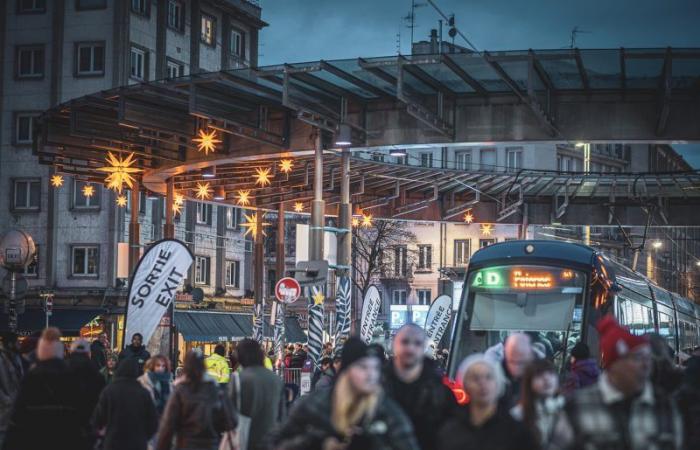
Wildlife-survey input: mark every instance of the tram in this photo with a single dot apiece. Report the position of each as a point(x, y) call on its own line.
point(556, 292)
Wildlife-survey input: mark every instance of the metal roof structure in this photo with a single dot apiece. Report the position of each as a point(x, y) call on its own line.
point(264, 114)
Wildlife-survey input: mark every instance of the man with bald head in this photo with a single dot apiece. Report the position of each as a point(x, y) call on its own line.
point(413, 382)
point(518, 354)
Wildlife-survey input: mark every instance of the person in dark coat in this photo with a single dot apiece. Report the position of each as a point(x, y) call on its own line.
point(584, 369)
point(125, 411)
point(298, 357)
point(99, 350)
point(353, 415)
point(688, 399)
point(47, 412)
point(90, 380)
point(325, 373)
point(136, 350)
point(517, 354)
point(412, 381)
point(482, 424)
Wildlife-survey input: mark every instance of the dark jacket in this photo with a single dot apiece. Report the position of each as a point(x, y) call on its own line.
point(500, 432)
point(262, 400)
point(583, 373)
point(126, 409)
point(427, 402)
point(196, 414)
point(98, 353)
point(688, 398)
point(10, 377)
point(511, 396)
point(309, 424)
point(298, 359)
point(47, 411)
point(91, 382)
point(140, 354)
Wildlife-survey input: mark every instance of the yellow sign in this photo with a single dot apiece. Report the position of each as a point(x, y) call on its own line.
point(526, 280)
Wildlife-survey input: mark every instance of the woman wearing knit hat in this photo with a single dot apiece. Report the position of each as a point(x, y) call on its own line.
point(622, 410)
point(354, 414)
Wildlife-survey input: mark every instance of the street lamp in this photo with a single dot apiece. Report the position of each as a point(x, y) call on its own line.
point(17, 250)
point(343, 138)
point(656, 245)
point(397, 152)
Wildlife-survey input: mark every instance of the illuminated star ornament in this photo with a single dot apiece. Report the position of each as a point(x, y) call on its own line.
point(206, 142)
point(178, 201)
point(121, 201)
point(203, 191)
point(355, 221)
point(119, 171)
point(469, 217)
point(252, 223)
point(486, 229)
point(57, 181)
point(88, 190)
point(243, 198)
point(299, 207)
point(367, 220)
point(263, 176)
point(318, 298)
point(286, 165)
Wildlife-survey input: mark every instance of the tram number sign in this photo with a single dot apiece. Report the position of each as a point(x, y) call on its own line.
point(287, 290)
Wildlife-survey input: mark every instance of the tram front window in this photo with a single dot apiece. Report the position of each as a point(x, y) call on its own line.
point(543, 302)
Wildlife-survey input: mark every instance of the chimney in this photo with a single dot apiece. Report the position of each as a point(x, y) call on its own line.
point(433, 41)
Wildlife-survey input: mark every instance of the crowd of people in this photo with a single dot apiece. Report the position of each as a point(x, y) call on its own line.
point(87, 397)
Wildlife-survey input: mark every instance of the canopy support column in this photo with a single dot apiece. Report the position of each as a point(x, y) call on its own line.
point(169, 227)
point(134, 227)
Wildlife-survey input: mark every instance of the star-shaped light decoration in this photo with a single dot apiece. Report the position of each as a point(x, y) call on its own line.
point(252, 223)
point(298, 207)
point(57, 181)
point(206, 142)
point(177, 208)
point(286, 165)
point(486, 229)
point(203, 191)
point(263, 176)
point(318, 298)
point(121, 201)
point(243, 198)
point(120, 171)
point(367, 220)
point(88, 190)
point(469, 217)
point(179, 199)
point(355, 221)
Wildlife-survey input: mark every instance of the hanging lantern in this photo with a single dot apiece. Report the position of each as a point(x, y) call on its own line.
point(299, 207)
point(366, 220)
point(121, 201)
point(469, 217)
point(206, 142)
point(119, 172)
point(355, 221)
point(88, 190)
point(251, 224)
point(203, 191)
point(57, 181)
point(243, 198)
point(263, 176)
point(486, 229)
point(286, 165)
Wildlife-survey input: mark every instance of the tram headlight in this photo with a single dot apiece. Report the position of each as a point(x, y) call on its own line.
point(529, 248)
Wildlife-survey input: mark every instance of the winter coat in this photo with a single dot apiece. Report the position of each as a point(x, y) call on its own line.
point(427, 402)
point(325, 379)
point(48, 411)
point(547, 414)
point(298, 359)
point(688, 398)
point(158, 387)
point(107, 375)
point(91, 383)
point(196, 415)
point(262, 399)
point(511, 396)
point(218, 368)
point(10, 377)
point(139, 353)
point(309, 424)
point(583, 373)
point(500, 432)
point(126, 410)
point(98, 353)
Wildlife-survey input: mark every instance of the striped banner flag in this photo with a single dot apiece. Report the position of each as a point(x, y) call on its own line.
point(258, 322)
point(279, 329)
point(343, 309)
point(315, 337)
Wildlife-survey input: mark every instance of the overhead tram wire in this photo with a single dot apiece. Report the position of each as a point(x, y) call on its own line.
point(444, 16)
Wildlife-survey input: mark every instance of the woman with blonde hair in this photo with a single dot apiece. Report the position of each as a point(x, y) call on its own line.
point(157, 380)
point(354, 414)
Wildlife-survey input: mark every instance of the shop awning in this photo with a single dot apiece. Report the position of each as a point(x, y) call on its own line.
point(207, 326)
point(69, 321)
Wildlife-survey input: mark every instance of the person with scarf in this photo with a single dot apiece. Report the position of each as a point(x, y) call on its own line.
point(157, 380)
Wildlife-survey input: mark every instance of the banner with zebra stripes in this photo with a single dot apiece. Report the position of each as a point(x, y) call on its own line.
point(315, 337)
point(343, 312)
point(258, 322)
point(279, 332)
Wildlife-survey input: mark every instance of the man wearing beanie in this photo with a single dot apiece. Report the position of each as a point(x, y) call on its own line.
point(621, 410)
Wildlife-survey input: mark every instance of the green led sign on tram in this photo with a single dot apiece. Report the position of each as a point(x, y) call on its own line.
point(488, 279)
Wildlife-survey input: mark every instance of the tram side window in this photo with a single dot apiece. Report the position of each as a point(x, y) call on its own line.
point(667, 329)
point(636, 317)
point(688, 334)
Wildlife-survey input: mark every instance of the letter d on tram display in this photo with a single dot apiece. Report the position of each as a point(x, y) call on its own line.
point(153, 286)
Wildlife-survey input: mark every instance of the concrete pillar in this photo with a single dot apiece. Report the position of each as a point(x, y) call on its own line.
point(258, 261)
point(280, 266)
point(169, 226)
point(317, 205)
point(134, 227)
point(345, 215)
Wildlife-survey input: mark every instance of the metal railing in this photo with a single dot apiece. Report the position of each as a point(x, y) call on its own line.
point(290, 376)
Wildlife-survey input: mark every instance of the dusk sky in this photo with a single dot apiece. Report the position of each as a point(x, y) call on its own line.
point(309, 30)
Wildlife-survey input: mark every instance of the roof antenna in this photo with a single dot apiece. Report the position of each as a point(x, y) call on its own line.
point(574, 33)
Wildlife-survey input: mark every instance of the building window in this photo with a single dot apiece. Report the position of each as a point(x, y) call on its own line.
point(238, 43)
point(175, 69)
point(85, 260)
point(462, 251)
point(32, 269)
point(425, 257)
point(24, 128)
point(424, 296)
point(90, 58)
point(26, 195)
point(30, 61)
point(233, 274)
point(31, 6)
point(203, 214)
point(176, 15)
point(140, 7)
point(514, 159)
point(463, 160)
point(398, 297)
point(208, 30)
point(80, 201)
point(426, 160)
point(232, 218)
point(488, 159)
point(565, 163)
point(486, 242)
point(400, 261)
point(90, 4)
point(138, 63)
point(378, 157)
point(201, 269)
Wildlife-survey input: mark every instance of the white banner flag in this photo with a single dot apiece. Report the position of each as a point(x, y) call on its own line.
point(370, 311)
point(438, 319)
point(153, 287)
